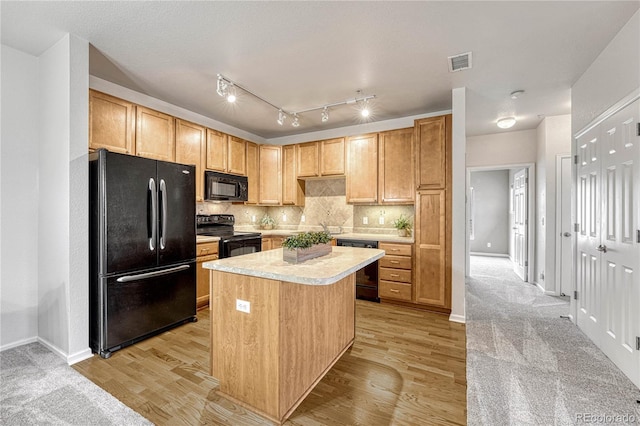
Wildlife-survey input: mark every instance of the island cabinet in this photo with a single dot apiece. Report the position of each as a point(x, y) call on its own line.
point(292, 188)
point(226, 154)
point(321, 159)
point(396, 162)
point(155, 135)
point(190, 147)
point(253, 173)
point(433, 136)
point(270, 190)
point(362, 169)
point(111, 123)
point(277, 329)
point(205, 252)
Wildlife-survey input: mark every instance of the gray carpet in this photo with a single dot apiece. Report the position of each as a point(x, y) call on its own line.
point(39, 388)
point(528, 366)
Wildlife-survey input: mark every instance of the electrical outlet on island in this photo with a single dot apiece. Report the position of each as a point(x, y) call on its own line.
point(243, 306)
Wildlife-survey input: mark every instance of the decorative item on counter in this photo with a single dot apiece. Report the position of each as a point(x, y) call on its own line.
point(305, 246)
point(403, 225)
point(267, 222)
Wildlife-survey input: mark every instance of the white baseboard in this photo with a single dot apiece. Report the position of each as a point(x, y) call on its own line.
point(481, 253)
point(79, 356)
point(18, 343)
point(458, 318)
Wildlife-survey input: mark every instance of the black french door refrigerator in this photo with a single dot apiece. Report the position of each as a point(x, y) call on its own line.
point(142, 248)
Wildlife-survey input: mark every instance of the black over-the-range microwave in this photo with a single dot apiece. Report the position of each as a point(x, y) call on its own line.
point(224, 187)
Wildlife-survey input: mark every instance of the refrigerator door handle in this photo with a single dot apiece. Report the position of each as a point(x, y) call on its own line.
point(146, 275)
point(154, 214)
point(163, 196)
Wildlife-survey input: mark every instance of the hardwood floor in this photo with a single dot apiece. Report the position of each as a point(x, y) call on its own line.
point(406, 367)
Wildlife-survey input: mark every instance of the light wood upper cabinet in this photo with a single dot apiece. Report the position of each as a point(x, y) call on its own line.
point(323, 158)
point(432, 136)
point(332, 157)
point(237, 159)
point(396, 167)
point(155, 135)
point(216, 154)
point(308, 160)
point(253, 175)
point(292, 188)
point(270, 179)
point(111, 123)
point(362, 169)
point(190, 148)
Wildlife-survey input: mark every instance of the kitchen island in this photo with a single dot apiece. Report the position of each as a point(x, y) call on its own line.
point(277, 328)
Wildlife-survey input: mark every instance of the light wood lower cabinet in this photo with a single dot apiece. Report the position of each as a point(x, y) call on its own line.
point(272, 242)
point(395, 272)
point(205, 252)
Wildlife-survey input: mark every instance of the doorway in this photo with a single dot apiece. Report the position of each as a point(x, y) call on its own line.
point(564, 258)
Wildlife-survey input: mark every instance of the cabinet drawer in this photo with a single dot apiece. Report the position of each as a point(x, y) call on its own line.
point(392, 290)
point(400, 262)
point(206, 249)
point(400, 275)
point(396, 249)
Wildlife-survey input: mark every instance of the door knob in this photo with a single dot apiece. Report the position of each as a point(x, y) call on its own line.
point(567, 234)
point(602, 248)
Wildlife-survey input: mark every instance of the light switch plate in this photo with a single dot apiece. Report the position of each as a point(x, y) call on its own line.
point(365, 220)
point(243, 306)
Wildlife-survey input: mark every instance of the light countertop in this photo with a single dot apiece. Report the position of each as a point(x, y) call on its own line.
point(385, 238)
point(324, 270)
point(206, 239)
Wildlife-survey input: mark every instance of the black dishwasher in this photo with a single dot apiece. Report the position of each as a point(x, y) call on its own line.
point(367, 277)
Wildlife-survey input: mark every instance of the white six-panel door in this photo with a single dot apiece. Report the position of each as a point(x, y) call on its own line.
point(608, 251)
point(520, 231)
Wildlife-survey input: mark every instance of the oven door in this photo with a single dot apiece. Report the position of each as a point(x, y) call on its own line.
point(237, 246)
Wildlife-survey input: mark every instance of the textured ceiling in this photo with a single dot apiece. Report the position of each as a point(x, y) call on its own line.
point(300, 55)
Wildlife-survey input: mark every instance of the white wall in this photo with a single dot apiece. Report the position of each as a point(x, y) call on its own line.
point(62, 249)
point(554, 138)
point(505, 148)
point(613, 75)
point(19, 189)
point(490, 211)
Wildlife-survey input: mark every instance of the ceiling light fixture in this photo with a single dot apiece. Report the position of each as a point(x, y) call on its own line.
point(507, 122)
point(516, 94)
point(227, 89)
point(325, 114)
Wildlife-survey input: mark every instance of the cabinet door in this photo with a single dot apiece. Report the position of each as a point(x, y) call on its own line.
point(396, 162)
point(111, 123)
point(308, 160)
point(270, 191)
point(155, 135)
point(292, 188)
point(431, 286)
point(432, 137)
point(202, 281)
point(332, 157)
point(253, 175)
point(237, 159)
point(190, 147)
point(362, 169)
point(266, 243)
point(216, 155)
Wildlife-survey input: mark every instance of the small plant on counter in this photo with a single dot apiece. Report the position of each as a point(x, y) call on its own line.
point(306, 240)
point(403, 225)
point(267, 222)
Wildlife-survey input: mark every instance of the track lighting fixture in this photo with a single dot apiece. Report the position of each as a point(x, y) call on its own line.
point(227, 89)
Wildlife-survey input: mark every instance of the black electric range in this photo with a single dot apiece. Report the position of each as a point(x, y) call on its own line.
point(231, 243)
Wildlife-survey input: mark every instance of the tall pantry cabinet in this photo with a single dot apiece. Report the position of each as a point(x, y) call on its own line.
point(432, 285)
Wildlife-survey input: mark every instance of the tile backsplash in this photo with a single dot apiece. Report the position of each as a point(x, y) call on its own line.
point(325, 202)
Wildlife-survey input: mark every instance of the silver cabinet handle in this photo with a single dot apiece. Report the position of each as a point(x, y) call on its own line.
point(602, 248)
point(567, 234)
point(163, 195)
point(128, 278)
point(154, 214)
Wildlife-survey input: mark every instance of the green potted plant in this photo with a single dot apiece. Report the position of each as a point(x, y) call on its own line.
point(403, 225)
point(267, 222)
point(305, 246)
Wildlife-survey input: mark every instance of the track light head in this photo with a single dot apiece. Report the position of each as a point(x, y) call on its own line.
point(221, 87)
point(325, 114)
point(281, 117)
point(231, 94)
point(364, 111)
point(296, 122)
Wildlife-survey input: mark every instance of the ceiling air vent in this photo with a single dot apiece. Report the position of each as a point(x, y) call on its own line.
point(460, 62)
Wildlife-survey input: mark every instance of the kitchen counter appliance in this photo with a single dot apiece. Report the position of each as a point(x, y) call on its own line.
point(367, 277)
point(142, 248)
point(225, 187)
point(231, 243)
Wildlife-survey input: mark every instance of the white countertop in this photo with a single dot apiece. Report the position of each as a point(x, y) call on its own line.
point(324, 270)
point(206, 239)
